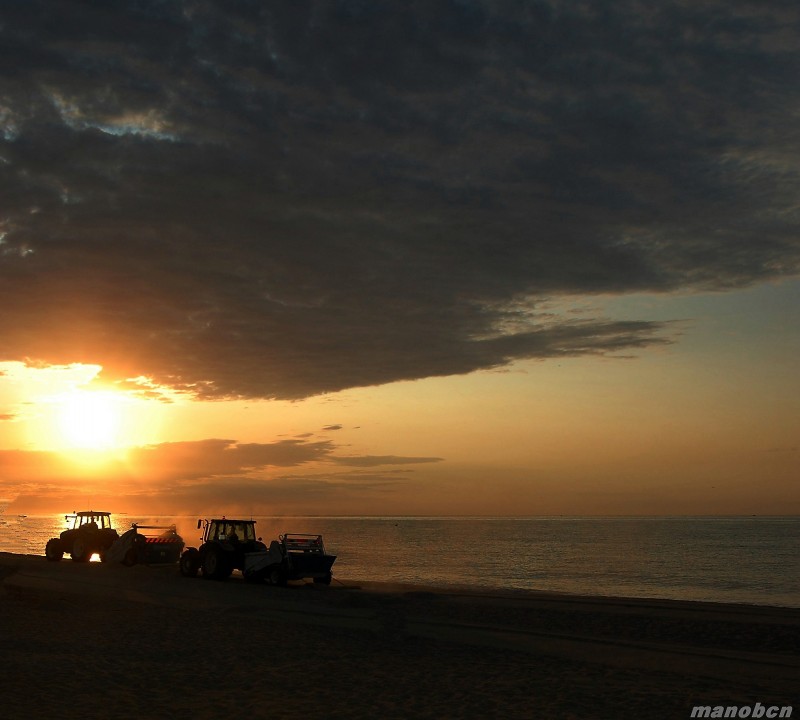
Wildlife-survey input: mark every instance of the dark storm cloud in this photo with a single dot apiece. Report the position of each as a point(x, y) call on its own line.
point(278, 200)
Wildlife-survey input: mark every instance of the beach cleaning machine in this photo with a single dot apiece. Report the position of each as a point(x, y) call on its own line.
point(292, 556)
point(147, 548)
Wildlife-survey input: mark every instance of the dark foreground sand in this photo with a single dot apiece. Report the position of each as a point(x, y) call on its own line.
point(101, 641)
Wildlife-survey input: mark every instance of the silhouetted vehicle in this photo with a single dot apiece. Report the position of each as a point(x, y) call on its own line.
point(140, 545)
point(293, 556)
point(224, 546)
point(89, 532)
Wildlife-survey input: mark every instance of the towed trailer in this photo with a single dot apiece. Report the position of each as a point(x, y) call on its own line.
point(293, 556)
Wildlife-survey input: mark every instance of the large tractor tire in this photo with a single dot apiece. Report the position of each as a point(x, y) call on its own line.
point(216, 565)
point(81, 552)
point(190, 562)
point(53, 550)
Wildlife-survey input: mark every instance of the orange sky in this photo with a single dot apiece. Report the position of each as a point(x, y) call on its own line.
point(708, 425)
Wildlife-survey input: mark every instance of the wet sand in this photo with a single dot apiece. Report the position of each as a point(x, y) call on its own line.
point(107, 641)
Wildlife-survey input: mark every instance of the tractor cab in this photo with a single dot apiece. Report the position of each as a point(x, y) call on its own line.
point(101, 520)
point(228, 530)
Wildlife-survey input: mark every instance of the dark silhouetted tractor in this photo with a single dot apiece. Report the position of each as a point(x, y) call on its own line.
point(293, 556)
point(141, 546)
point(89, 532)
point(225, 543)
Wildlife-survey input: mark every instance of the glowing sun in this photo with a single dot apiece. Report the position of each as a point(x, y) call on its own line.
point(90, 420)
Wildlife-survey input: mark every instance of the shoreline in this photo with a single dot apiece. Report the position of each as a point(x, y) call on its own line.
point(613, 656)
point(685, 570)
point(464, 590)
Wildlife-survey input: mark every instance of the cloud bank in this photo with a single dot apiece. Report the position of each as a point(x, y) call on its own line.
point(191, 476)
point(276, 201)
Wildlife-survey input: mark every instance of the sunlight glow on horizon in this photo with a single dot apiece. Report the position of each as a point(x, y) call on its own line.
point(63, 408)
point(90, 420)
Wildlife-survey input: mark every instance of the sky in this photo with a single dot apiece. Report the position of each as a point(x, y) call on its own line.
point(361, 257)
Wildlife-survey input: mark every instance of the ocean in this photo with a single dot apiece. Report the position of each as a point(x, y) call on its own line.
point(753, 560)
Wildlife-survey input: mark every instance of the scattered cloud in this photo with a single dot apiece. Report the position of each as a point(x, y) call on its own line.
point(191, 474)
point(377, 460)
point(281, 201)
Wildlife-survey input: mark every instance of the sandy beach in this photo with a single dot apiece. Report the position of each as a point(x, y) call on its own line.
point(103, 641)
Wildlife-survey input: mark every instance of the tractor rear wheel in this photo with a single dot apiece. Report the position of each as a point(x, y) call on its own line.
point(53, 550)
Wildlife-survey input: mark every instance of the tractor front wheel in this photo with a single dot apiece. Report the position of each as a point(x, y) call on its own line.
point(215, 564)
point(53, 550)
point(80, 550)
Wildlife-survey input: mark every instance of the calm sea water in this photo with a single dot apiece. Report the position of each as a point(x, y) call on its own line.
point(748, 560)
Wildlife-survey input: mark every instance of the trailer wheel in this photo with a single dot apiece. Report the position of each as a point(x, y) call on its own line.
point(277, 577)
point(53, 550)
